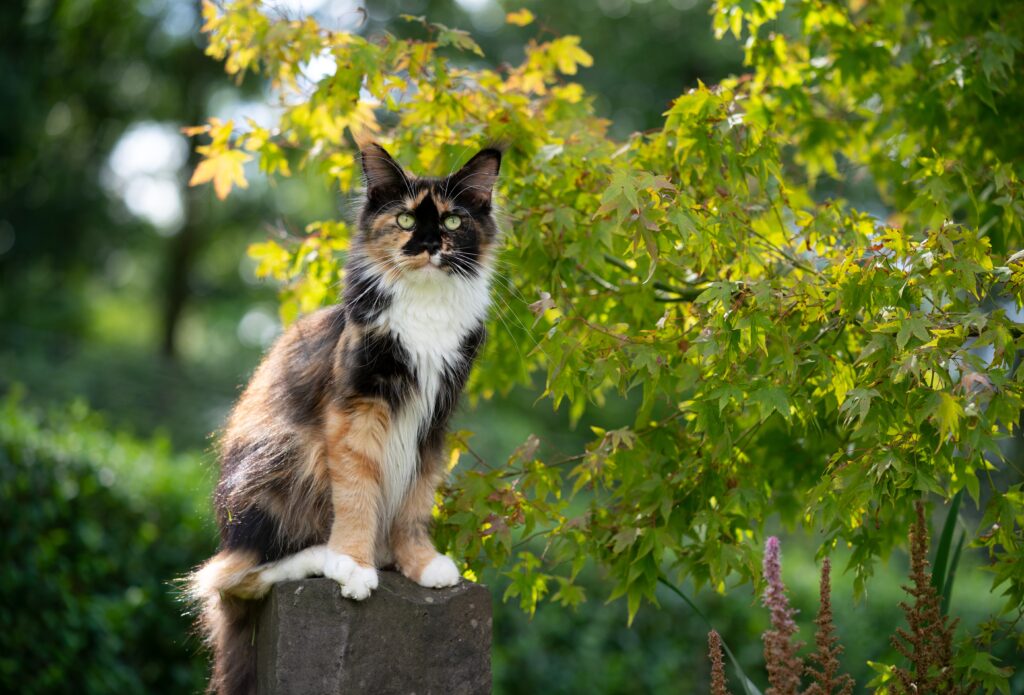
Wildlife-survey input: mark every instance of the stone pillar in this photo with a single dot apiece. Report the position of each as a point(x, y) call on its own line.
point(404, 639)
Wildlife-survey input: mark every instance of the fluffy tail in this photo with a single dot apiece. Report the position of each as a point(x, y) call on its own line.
point(224, 588)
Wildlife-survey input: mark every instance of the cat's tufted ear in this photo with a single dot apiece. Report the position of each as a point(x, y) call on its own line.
point(474, 182)
point(381, 172)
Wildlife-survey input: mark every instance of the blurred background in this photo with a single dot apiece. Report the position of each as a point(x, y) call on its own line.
point(130, 318)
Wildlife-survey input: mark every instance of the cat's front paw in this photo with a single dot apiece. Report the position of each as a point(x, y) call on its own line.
point(357, 581)
point(439, 572)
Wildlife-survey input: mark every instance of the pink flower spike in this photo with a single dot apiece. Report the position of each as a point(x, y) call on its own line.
point(780, 649)
point(772, 562)
point(774, 597)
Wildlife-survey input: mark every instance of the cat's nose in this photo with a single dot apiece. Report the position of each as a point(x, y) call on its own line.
point(432, 246)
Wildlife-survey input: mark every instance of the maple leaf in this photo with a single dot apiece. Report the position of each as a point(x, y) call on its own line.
point(567, 54)
point(224, 169)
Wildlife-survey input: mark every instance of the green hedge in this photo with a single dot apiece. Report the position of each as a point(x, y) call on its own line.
point(96, 527)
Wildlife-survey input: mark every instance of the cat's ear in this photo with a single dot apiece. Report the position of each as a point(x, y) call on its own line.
point(475, 180)
point(380, 172)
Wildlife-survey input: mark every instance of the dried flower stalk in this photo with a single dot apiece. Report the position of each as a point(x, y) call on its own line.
point(718, 686)
point(827, 678)
point(928, 644)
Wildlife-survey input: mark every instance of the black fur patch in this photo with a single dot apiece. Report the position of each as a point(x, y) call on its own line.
point(378, 367)
point(471, 185)
point(251, 529)
point(426, 234)
point(309, 368)
point(255, 529)
point(385, 180)
point(365, 298)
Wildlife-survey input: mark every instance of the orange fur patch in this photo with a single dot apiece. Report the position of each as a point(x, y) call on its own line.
point(355, 450)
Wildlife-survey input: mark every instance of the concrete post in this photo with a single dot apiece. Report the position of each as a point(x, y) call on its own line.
point(404, 639)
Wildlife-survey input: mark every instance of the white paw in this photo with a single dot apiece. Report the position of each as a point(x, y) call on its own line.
point(439, 572)
point(360, 583)
point(356, 581)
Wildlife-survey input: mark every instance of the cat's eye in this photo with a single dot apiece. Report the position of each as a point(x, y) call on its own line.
point(406, 221)
point(452, 222)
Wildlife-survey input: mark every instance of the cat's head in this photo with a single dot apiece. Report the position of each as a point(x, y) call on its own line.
point(411, 224)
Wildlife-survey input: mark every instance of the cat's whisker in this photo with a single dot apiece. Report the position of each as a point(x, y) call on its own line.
point(499, 313)
point(511, 286)
point(527, 332)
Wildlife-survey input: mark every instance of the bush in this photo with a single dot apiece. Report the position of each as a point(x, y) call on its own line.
point(96, 528)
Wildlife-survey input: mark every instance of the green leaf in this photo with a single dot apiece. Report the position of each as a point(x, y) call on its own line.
point(939, 567)
point(771, 400)
point(886, 673)
point(946, 412)
point(947, 589)
point(720, 292)
point(858, 404)
point(652, 250)
point(457, 38)
point(912, 325)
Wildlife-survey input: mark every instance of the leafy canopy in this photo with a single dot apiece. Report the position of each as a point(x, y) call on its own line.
point(794, 356)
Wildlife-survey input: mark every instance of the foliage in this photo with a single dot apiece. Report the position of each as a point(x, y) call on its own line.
point(646, 53)
point(793, 355)
point(96, 528)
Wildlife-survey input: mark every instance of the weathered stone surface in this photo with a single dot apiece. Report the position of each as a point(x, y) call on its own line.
point(404, 639)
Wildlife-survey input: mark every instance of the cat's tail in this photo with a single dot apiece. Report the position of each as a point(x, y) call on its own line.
point(223, 590)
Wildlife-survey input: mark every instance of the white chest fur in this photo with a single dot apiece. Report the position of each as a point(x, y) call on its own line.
point(430, 314)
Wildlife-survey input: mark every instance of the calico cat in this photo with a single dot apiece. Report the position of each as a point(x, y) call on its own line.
point(331, 456)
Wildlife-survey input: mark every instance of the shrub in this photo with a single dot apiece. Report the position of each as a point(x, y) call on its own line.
point(96, 528)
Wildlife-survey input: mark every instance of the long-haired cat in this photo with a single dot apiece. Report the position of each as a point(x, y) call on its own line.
point(331, 457)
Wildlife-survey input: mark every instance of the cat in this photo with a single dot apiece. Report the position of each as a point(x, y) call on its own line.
point(331, 457)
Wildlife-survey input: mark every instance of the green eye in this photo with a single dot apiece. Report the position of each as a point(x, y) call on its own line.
point(406, 221)
point(452, 222)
